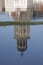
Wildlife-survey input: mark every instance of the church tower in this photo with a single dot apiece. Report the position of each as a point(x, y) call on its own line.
point(22, 34)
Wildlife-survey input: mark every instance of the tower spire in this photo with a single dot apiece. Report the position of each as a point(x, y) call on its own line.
point(22, 54)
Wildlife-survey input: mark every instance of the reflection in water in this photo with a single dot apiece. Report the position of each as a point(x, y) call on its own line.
point(33, 54)
point(21, 34)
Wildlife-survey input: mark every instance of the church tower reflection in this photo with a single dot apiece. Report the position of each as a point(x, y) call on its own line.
point(22, 33)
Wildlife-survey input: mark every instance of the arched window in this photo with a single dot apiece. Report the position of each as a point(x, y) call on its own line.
point(17, 42)
point(20, 43)
point(23, 43)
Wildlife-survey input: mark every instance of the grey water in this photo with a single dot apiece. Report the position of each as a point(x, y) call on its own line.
point(9, 54)
point(6, 17)
point(37, 19)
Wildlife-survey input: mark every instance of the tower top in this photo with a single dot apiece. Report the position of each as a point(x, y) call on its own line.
point(21, 45)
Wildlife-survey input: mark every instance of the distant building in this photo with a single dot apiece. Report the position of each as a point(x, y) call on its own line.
point(2, 5)
point(38, 10)
point(19, 9)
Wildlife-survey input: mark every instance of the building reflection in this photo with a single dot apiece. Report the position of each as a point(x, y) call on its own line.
point(21, 34)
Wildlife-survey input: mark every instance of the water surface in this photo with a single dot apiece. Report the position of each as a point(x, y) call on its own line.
point(9, 55)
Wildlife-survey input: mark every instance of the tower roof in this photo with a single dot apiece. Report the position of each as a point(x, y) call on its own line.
point(22, 45)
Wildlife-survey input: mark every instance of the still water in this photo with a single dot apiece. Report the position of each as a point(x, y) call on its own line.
point(9, 54)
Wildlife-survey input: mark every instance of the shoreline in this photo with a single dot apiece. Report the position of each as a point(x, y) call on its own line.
point(20, 23)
